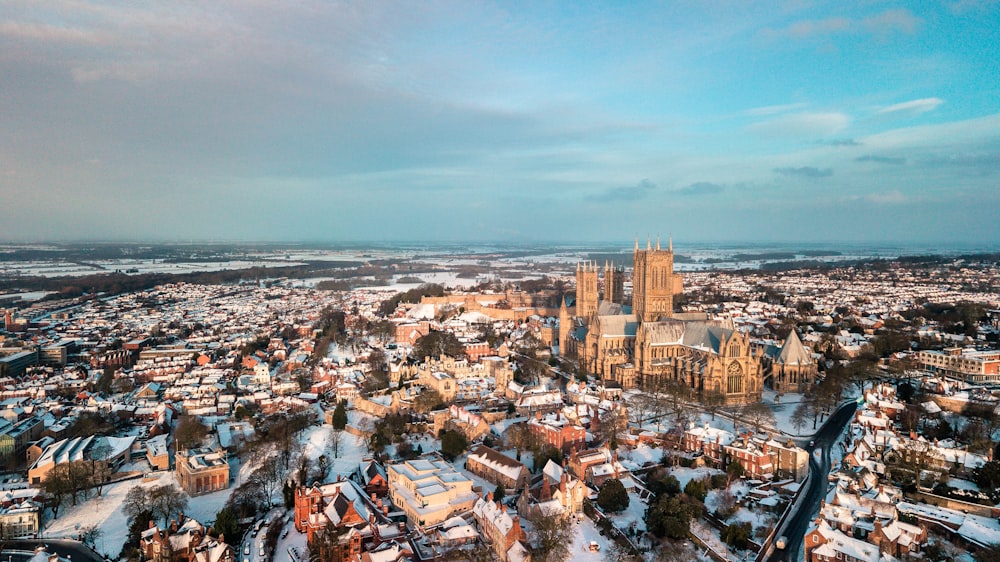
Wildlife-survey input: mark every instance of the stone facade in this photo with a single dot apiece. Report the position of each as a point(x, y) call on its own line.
point(650, 345)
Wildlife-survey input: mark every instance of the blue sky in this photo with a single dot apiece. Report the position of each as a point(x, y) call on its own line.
point(276, 120)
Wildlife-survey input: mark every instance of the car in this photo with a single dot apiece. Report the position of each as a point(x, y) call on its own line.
point(261, 552)
point(594, 547)
point(246, 549)
point(812, 442)
point(781, 543)
point(284, 533)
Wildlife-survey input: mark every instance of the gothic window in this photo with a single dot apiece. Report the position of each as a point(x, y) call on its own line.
point(734, 378)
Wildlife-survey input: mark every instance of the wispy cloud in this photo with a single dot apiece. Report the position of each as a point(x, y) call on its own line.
point(774, 109)
point(922, 105)
point(806, 172)
point(626, 193)
point(701, 188)
point(894, 197)
point(897, 160)
point(882, 23)
point(840, 142)
point(803, 124)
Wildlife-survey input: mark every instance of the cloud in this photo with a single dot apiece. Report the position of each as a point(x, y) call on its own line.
point(893, 197)
point(891, 21)
point(774, 109)
point(803, 125)
point(898, 160)
point(626, 193)
point(883, 23)
point(701, 188)
point(840, 142)
point(914, 107)
point(806, 172)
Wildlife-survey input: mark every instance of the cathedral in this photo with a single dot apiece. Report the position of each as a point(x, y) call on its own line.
point(647, 344)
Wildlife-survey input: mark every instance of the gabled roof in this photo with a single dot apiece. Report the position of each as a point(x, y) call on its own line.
point(793, 352)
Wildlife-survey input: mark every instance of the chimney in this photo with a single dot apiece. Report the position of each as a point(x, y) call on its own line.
point(373, 497)
point(385, 510)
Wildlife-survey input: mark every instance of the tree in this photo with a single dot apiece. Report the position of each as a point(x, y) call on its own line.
point(100, 472)
point(737, 535)
point(436, 344)
point(546, 453)
point(57, 487)
point(167, 500)
point(669, 516)
point(428, 400)
point(800, 416)
point(735, 470)
point(136, 502)
point(758, 414)
point(453, 443)
point(189, 433)
point(663, 484)
point(548, 539)
point(499, 492)
point(335, 445)
point(267, 478)
point(226, 522)
point(988, 477)
point(339, 417)
point(696, 489)
point(612, 497)
point(713, 400)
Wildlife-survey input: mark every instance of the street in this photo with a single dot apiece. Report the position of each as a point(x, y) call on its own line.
point(798, 522)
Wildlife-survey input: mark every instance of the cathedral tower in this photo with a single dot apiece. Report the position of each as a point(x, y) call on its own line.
point(653, 282)
point(614, 283)
point(586, 290)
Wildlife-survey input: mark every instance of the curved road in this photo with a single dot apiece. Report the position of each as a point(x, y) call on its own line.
point(798, 522)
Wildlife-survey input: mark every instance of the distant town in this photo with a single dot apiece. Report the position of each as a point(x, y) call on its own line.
point(294, 403)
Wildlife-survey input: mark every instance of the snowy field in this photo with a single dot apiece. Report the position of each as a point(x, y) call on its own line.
point(105, 512)
point(685, 475)
point(632, 516)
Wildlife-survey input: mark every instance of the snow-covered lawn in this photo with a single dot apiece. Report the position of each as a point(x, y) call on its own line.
point(583, 533)
point(685, 475)
point(632, 515)
point(105, 513)
point(345, 461)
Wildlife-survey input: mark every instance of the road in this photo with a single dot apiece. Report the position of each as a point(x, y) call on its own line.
point(798, 522)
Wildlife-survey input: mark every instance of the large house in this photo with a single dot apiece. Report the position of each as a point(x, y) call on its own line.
point(497, 468)
point(202, 470)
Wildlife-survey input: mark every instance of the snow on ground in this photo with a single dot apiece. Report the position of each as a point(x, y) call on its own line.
point(685, 475)
point(632, 515)
point(709, 536)
point(292, 539)
point(105, 512)
point(642, 454)
point(583, 533)
point(963, 484)
point(756, 518)
point(319, 441)
point(783, 408)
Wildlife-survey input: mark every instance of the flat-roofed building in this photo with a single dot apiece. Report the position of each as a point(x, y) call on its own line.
point(969, 365)
point(202, 470)
point(429, 491)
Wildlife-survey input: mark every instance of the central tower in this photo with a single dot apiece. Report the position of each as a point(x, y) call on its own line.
point(653, 282)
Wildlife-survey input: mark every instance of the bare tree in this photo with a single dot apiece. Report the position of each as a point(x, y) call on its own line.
point(548, 539)
point(713, 401)
point(334, 443)
point(758, 414)
point(167, 500)
point(800, 416)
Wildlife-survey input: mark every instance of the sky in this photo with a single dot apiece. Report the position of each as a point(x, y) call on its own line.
point(537, 121)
